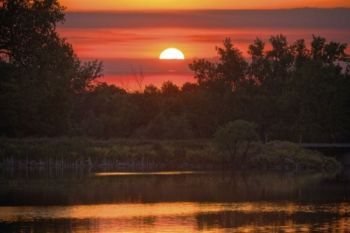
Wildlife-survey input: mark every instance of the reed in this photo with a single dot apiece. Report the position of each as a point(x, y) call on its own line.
point(126, 154)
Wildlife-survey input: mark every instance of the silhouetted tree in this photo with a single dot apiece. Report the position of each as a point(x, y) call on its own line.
point(231, 138)
point(42, 73)
point(291, 91)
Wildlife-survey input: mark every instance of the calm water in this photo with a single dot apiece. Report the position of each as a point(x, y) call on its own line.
point(174, 202)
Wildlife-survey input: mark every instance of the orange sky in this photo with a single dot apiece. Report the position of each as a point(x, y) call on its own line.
point(129, 37)
point(127, 52)
point(110, 5)
point(148, 43)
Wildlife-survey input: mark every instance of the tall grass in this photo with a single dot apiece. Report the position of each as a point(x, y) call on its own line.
point(80, 153)
point(125, 154)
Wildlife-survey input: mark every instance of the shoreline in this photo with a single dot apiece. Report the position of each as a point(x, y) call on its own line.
point(81, 154)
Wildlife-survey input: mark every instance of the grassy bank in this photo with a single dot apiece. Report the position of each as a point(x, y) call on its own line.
point(80, 153)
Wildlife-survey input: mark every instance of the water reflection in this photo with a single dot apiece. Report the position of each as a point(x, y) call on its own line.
point(69, 189)
point(178, 217)
point(160, 173)
point(174, 202)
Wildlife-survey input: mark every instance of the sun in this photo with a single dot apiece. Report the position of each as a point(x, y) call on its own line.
point(172, 54)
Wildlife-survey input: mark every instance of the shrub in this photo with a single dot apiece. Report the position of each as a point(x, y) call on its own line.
point(281, 155)
point(162, 127)
point(231, 138)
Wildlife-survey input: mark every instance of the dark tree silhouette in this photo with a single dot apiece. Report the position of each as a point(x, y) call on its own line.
point(42, 73)
point(293, 92)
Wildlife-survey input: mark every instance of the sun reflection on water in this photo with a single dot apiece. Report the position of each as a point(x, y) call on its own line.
point(160, 173)
point(186, 217)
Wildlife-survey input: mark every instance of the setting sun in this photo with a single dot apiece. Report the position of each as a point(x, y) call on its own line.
point(172, 54)
point(195, 116)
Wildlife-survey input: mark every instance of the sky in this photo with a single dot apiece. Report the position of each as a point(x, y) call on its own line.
point(112, 5)
point(128, 36)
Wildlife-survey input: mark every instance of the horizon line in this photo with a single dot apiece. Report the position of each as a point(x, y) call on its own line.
point(204, 10)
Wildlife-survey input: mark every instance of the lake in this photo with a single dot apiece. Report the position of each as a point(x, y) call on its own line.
point(173, 202)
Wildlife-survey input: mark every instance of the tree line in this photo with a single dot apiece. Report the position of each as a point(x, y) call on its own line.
point(290, 91)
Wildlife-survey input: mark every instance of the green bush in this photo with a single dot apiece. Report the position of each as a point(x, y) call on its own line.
point(280, 155)
point(162, 127)
point(235, 138)
point(196, 154)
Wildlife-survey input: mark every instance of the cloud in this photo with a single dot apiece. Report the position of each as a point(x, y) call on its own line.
point(292, 18)
point(130, 42)
point(146, 66)
point(137, 43)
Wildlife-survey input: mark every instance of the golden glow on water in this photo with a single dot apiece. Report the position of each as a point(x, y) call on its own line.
point(188, 217)
point(164, 173)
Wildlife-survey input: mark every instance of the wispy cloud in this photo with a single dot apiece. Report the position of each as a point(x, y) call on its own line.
point(130, 42)
point(295, 18)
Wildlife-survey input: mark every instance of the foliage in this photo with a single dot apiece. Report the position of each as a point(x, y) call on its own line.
point(229, 71)
point(42, 73)
point(133, 154)
point(175, 127)
point(231, 137)
point(291, 91)
point(82, 153)
point(289, 156)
